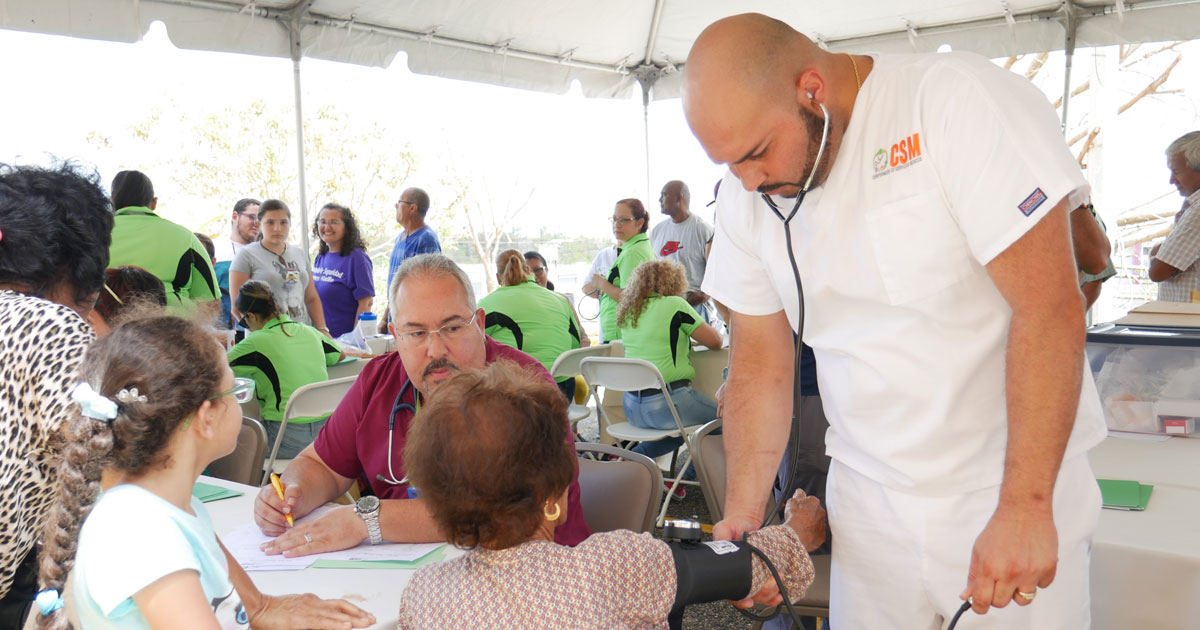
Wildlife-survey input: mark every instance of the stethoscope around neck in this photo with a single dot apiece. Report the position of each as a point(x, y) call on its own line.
point(794, 439)
point(397, 407)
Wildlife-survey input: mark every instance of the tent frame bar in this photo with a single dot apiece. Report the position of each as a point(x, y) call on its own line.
point(1081, 13)
point(1056, 14)
point(316, 19)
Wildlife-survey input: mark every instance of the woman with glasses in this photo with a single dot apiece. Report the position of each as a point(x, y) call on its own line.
point(527, 317)
point(281, 355)
point(539, 268)
point(129, 292)
point(281, 265)
point(342, 272)
point(629, 225)
point(541, 272)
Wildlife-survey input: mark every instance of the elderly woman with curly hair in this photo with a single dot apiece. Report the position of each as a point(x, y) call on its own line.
point(491, 460)
point(657, 325)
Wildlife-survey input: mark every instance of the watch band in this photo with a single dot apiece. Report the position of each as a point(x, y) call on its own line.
point(371, 518)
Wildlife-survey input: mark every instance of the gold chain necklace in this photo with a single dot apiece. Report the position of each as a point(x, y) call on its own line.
point(855, 66)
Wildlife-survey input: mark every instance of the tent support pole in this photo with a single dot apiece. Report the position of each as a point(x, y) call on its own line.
point(293, 27)
point(1071, 24)
point(300, 158)
point(647, 75)
point(646, 130)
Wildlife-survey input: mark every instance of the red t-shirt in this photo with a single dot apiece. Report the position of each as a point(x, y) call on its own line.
point(354, 442)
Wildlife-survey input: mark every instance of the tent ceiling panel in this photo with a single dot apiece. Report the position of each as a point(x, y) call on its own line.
point(540, 45)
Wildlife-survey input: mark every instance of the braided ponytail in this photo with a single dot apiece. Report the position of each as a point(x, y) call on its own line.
point(158, 371)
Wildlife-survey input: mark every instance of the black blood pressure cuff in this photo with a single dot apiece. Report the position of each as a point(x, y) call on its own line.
point(711, 571)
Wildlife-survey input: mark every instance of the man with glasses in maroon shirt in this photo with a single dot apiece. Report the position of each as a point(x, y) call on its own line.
point(439, 333)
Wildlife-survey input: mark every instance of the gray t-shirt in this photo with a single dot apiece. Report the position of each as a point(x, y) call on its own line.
point(683, 243)
point(287, 277)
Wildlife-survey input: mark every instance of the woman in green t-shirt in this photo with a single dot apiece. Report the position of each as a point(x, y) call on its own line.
point(657, 325)
point(528, 317)
point(281, 355)
point(630, 222)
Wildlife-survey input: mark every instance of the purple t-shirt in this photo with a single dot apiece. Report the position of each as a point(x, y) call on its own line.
point(341, 282)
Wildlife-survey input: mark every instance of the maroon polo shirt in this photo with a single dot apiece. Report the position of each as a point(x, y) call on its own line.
point(354, 442)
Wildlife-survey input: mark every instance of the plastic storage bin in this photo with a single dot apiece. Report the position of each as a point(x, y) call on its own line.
point(1148, 377)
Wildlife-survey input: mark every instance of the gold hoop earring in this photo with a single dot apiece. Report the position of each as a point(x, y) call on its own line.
point(548, 515)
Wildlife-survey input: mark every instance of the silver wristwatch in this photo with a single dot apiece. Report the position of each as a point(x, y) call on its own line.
point(368, 509)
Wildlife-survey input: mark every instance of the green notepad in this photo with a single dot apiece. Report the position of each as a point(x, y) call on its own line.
point(208, 493)
point(1121, 494)
point(429, 558)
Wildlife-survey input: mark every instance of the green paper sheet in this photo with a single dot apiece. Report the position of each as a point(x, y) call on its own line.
point(208, 493)
point(1122, 494)
point(429, 558)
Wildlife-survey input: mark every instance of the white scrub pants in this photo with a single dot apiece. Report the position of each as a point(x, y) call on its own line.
point(901, 560)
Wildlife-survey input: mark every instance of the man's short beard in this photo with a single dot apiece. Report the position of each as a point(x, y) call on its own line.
point(813, 126)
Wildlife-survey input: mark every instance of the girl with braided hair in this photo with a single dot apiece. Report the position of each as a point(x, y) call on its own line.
point(157, 403)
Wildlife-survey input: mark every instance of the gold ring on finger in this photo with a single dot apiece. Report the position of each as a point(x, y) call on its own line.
point(1027, 596)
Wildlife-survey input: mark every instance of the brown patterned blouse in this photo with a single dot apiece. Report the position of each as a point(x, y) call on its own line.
point(613, 580)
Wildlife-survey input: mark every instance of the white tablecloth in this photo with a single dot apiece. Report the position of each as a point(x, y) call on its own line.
point(1146, 565)
point(375, 590)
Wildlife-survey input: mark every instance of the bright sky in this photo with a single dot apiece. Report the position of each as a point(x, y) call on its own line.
point(578, 155)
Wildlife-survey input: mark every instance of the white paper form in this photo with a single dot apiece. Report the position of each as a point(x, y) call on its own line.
point(244, 544)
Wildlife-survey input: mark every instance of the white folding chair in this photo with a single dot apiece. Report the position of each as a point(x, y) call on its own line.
point(314, 399)
point(567, 364)
point(625, 375)
point(622, 494)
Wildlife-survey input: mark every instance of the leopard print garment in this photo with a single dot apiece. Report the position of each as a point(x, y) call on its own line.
point(42, 345)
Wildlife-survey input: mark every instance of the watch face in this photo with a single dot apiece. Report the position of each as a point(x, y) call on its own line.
point(367, 504)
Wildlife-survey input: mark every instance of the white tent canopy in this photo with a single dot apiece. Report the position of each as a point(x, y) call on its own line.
point(607, 45)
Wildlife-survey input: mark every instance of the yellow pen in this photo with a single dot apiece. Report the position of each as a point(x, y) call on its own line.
point(279, 490)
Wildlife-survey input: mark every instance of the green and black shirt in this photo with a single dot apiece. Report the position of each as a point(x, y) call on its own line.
point(634, 252)
point(168, 250)
point(531, 319)
point(663, 336)
point(281, 357)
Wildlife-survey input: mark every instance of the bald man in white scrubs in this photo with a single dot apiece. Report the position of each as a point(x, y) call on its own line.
point(942, 304)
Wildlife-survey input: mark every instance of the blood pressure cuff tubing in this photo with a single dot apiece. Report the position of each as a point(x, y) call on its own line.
point(711, 571)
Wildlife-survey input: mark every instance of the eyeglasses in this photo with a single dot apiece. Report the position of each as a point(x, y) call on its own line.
point(450, 332)
point(333, 223)
point(243, 390)
point(621, 220)
point(253, 217)
point(539, 271)
point(401, 202)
